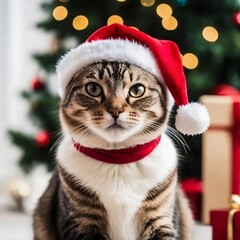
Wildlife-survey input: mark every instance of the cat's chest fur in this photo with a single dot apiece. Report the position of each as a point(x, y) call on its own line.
point(120, 188)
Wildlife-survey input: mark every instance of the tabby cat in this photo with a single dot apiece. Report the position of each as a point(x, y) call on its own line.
point(120, 108)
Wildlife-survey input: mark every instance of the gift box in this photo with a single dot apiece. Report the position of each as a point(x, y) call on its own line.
point(192, 187)
point(223, 227)
point(221, 152)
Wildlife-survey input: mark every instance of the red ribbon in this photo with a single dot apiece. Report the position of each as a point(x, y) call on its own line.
point(119, 156)
point(236, 147)
point(225, 90)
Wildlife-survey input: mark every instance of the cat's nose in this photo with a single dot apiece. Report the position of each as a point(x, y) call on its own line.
point(115, 112)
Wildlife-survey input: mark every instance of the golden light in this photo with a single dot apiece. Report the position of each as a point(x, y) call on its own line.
point(147, 3)
point(114, 19)
point(170, 23)
point(164, 10)
point(19, 188)
point(60, 13)
point(190, 61)
point(210, 34)
point(121, 0)
point(80, 22)
point(24, 190)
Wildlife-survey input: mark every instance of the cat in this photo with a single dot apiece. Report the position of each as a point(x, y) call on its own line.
point(114, 106)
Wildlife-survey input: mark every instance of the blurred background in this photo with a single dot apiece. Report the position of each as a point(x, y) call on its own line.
point(33, 34)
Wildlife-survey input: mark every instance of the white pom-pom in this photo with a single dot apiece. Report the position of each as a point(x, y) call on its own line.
point(192, 119)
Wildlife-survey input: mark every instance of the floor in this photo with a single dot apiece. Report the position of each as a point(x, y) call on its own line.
point(17, 226)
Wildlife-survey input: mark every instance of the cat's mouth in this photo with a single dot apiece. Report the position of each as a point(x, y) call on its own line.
point(116, 131)
point(115, 126)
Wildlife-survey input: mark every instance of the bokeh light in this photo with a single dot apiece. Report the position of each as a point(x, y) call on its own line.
point(114, 19)
point(170, 23)
point(164, 10)
point(80, 22)
point(147, 3)
point(60, 13)
point(190, 61)
point(210, 34)
point(236, 17)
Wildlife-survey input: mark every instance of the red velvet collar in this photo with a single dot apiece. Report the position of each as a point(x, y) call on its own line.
point(120, 156)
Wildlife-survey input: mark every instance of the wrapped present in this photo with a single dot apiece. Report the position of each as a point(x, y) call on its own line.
point(192, 188)
point(226, 223)
point(221, 150)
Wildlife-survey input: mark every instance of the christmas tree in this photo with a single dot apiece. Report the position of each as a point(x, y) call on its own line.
point(207, 33)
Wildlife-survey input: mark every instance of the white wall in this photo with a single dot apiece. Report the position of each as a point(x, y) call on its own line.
point(19, 39)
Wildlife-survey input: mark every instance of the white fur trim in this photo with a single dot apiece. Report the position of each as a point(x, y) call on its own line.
point(108, 50)
point(192, 119)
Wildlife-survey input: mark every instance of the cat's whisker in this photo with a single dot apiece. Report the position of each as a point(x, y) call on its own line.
point(147, 134)
point(152, 123)
point(83, 134)
point(171, 132)
point(56, 142)
point(178, 138)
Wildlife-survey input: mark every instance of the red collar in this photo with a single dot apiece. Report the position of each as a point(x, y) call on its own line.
point(119, 156)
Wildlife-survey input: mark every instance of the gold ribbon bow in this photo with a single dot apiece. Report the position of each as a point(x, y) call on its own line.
point(235, 207)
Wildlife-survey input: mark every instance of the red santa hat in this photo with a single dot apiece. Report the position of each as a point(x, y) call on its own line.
point(161, 58)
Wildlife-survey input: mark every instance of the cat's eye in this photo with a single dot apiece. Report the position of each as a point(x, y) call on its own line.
point(137, 91)
point(94, 89)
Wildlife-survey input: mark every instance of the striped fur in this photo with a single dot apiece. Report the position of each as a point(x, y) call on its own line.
point(90, 200)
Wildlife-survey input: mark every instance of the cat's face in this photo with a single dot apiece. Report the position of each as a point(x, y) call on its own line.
point(114, 103)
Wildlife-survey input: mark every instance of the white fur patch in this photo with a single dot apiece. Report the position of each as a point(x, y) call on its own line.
point(121, 188)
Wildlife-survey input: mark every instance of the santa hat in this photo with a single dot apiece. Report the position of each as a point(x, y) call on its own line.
point(161, 58)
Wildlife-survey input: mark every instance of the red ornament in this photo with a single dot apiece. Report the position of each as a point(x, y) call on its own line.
point(43, 139)
point(236, 18)
point(37, 84)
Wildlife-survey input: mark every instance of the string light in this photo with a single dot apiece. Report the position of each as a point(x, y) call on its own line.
point(60, 13)
point(164, 10)
point(190, 61)
point(210, 34)
point(170, 23)
point(114, 19)
point(80, 22)
point(147, 3)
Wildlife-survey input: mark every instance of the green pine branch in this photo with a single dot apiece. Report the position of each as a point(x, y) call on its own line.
point(31, 153)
